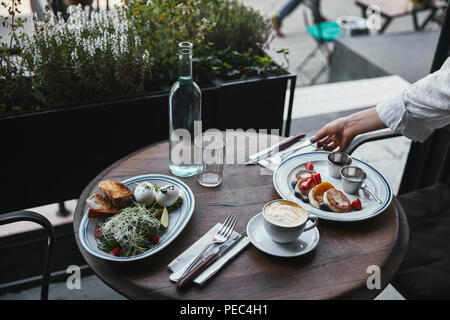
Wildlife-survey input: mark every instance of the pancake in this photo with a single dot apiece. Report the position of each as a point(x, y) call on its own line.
point(314, 200)
point(303, 174)
point(304, 192)
point(315, 195)
point(336, 201)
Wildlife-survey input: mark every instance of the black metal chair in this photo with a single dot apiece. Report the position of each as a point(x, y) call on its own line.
point(425, 270)
point(31, 216)
point(425, 195)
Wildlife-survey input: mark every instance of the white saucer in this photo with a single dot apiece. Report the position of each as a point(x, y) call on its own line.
point(258, 236)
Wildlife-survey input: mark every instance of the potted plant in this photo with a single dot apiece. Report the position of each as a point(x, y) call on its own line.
point(87, 91)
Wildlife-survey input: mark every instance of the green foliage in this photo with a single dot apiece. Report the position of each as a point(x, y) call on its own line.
point(129, 51)
point(236, 26)
point(15, 88)
point(84, 59)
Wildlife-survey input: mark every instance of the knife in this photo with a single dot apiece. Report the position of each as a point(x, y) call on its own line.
point(286, 143)
point(284, 154)
point(208, 260)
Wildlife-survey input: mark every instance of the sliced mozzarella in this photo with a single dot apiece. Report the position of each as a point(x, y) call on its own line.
point(145, 193)
point(167, 196)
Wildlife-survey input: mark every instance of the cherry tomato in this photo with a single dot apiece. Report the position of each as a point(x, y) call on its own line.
point(116, 251)
point(155, 239)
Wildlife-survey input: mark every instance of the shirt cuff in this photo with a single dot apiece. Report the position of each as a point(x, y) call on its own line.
point(395, 115)
point(391, 113)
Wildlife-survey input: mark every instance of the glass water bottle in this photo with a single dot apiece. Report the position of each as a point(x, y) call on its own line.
point(185, 115)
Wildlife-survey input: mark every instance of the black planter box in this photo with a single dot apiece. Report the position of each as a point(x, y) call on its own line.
point(50, 156)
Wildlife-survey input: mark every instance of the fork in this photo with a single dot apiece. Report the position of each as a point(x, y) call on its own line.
point(221, 235)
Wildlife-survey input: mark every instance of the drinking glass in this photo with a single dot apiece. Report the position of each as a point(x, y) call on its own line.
point(211, 151)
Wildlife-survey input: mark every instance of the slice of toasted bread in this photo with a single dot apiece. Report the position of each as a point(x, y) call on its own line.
point(118, 193)
point(94, 214)
point(100, 207)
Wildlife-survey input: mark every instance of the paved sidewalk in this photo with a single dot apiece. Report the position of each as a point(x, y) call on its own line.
point(300, 43)
point(92, 288)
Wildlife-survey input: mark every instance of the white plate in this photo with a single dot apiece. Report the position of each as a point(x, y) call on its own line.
point(177, 218)
point(285, 174)
point(258, 236)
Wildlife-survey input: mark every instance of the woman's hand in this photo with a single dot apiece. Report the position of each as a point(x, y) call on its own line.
point(341, 132)
point(335, 134)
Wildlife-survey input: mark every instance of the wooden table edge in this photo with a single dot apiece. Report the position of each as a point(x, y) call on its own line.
point(392, 262)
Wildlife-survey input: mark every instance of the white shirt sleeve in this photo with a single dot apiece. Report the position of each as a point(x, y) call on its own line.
point(420, 109)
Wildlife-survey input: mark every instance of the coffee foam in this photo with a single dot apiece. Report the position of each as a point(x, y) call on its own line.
point(285, 213)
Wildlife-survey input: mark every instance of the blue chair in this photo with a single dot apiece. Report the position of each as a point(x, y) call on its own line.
point(323, 33)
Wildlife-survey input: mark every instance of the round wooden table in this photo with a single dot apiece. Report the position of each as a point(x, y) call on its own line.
point(337, 268)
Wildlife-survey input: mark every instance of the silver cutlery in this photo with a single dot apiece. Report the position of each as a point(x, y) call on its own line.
point(221, 235)
point(288, 152)
point(364, 186)
point(283, 156)
point(209, 259)
point(286, 143)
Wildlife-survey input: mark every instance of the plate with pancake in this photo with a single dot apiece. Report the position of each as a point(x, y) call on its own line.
point(326, 198)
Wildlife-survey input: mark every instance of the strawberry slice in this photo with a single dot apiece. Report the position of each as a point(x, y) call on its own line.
point(316, 178)
point(305, 185)
point(356, 205)
point(309, 166)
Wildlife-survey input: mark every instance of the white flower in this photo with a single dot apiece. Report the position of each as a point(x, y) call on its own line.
point(71, 9)
point(74, 55)
point(123, 44)
point(137, 42)
point(100, 34)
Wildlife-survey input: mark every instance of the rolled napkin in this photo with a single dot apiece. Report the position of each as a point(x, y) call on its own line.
point(198, 246)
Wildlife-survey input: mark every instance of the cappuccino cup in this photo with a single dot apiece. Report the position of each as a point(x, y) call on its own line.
point(284, 221)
